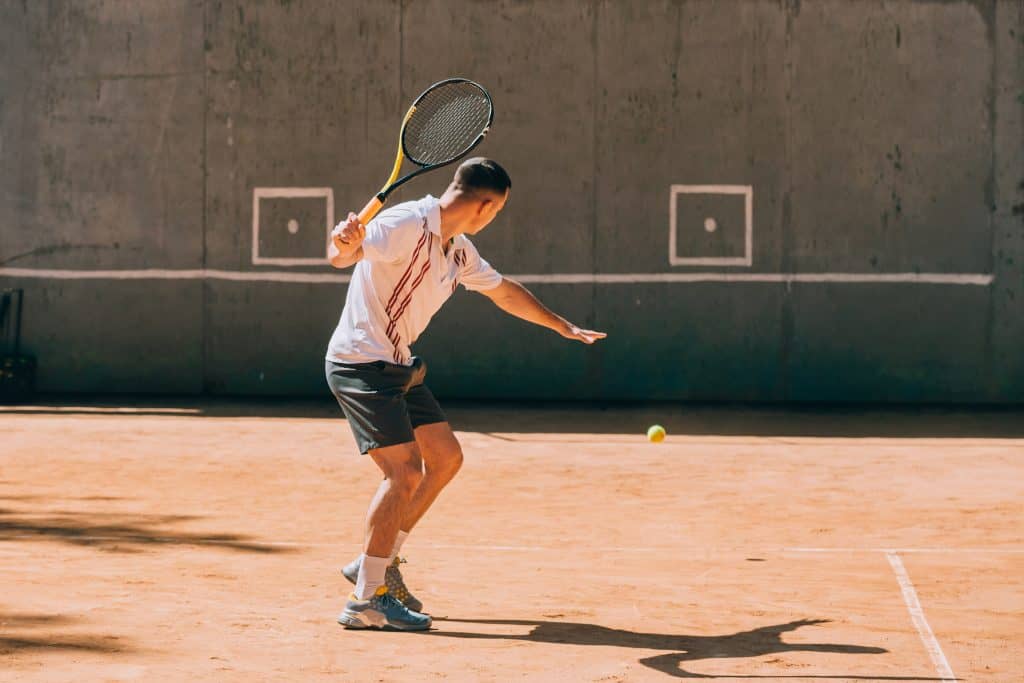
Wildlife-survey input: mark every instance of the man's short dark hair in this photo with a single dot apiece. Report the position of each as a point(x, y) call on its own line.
point(482, 174)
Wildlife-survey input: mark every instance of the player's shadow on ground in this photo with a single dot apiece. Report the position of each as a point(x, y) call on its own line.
point(124, 533)
point(757, 642)
point(22, 632)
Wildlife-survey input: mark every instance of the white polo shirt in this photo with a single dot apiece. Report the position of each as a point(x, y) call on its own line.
point(402, 280)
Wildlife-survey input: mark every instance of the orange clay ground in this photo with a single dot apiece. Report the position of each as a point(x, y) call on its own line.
point(174, 541)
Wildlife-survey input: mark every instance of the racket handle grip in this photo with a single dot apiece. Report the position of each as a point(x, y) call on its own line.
point(370, 210)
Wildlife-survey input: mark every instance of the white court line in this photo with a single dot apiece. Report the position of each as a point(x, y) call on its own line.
point(953, 551)
point(925, 632)
point(975, 279)
point(917, 615)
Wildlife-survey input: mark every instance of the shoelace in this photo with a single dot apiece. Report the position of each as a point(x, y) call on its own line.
point(388, 600)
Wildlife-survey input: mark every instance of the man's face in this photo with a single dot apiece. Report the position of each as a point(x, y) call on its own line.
point(487, 208)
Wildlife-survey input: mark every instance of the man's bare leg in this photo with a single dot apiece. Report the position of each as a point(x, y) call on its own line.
point(442, 458)
point(403, 472)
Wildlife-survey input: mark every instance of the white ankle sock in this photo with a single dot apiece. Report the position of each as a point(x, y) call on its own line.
point(402, 535)
point(371, 576)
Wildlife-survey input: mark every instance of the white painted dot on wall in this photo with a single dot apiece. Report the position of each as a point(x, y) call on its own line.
point(293, 226)
point(710, 224)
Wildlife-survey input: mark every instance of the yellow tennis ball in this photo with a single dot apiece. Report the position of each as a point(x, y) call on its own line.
point(655, 433)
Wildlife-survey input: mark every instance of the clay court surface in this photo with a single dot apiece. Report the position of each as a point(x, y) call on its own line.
point(166, 541)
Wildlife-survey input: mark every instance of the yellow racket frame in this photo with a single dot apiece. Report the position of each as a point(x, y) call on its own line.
point(374, 206)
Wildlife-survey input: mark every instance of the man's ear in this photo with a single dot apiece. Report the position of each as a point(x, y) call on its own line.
point(484, 205)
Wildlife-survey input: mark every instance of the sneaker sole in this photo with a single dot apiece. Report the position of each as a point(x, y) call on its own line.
point(355, 624)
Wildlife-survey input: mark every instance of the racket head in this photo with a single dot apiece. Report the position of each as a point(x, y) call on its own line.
point(446, 121)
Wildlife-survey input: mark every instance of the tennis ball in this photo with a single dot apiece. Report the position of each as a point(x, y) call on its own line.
point(655, 433)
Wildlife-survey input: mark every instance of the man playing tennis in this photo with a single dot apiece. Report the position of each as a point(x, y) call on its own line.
point(409, 260)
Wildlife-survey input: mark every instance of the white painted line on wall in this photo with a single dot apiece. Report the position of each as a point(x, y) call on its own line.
point(747, 191)
point(185, 274)
point(917, 616)
point(259, 193)
point(851, 278)
point(976, 279)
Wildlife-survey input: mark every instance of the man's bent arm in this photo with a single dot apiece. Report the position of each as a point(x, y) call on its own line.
point(339, 260)
point(513, 298)
point(346, 247)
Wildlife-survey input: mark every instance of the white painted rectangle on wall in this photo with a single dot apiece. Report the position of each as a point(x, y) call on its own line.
point(747, 194)
point(260, 193)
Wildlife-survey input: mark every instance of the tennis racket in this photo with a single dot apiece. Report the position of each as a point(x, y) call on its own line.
point(443, 125)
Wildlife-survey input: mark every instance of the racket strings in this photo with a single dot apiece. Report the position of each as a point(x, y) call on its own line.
point(447, 121)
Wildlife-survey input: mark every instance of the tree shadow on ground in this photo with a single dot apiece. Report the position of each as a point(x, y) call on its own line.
point(765, 640)
point(124, 533)
point(13, 641)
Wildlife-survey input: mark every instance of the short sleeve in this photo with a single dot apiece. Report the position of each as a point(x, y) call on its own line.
point(392, 236)
point(475, 273)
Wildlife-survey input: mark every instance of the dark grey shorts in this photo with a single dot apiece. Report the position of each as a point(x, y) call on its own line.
point(383, 402)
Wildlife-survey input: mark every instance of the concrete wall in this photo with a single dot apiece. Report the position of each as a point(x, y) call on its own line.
point(882, 142)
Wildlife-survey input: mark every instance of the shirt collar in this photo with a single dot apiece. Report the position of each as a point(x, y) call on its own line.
point(432, 212)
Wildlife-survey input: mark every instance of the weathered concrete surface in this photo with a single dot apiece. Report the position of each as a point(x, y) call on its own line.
point(115, 336)
point(103, 134)
point(879, 137)
point(1005, 370)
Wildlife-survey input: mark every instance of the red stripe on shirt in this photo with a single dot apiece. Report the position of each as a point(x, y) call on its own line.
point(394, 317)
point(408, 297)
point(408, 271)
point(395, 340)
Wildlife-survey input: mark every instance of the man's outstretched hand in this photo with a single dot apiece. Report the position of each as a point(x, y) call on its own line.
point(586, 336)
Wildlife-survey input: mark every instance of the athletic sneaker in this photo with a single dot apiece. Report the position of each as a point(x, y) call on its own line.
point(392, 579)
point(382, 611)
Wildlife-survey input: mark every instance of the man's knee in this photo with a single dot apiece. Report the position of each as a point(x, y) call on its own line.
point(442, 454)
point(452, 461)
point(401, 465)
point(444, 462)
point(408, 475)
point(413, 474)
